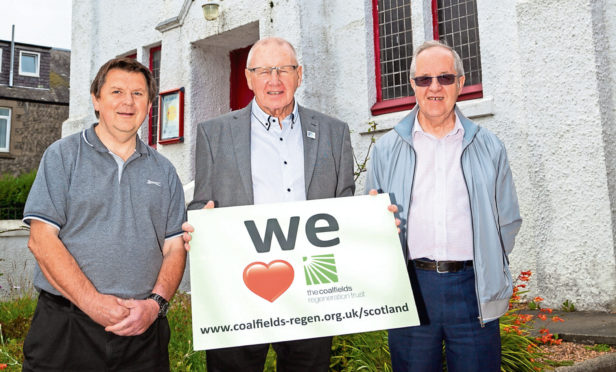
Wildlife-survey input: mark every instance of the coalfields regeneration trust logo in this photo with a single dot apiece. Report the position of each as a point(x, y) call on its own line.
point(320, 269)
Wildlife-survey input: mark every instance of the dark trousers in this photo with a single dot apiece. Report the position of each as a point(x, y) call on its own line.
point(310, 355)
point(63, 338)
point(450, 304)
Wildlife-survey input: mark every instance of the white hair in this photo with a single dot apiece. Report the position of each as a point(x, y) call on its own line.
point(268, 40)
point(457, 61)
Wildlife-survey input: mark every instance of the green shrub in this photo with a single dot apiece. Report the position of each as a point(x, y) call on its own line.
point(13, 194)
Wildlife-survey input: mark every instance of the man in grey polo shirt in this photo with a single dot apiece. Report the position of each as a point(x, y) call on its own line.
point(105, 215)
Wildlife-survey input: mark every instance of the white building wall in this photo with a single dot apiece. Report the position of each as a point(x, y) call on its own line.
point(568, 202)
point(548, 71)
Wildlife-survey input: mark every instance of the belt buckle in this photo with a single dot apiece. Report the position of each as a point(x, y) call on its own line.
point(438, 270)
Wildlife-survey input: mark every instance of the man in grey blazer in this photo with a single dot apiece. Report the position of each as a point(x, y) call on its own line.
point(273, 150)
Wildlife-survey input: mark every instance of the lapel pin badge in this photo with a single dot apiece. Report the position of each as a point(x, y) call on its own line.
point(312, 135)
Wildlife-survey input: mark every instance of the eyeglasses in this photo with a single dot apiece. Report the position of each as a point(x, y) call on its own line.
point(267, 71)
point(445, 79)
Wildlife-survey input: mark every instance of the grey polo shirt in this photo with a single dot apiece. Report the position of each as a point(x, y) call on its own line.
point(113, 217)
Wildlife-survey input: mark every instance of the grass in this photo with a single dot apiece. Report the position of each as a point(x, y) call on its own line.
point(15, 316)
point(599, 347)
point(358, 352)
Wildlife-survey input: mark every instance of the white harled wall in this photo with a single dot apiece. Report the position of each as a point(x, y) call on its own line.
point(548, 72)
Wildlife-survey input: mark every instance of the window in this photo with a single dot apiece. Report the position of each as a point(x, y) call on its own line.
point(153, 122)
point(5, 129)
point(454, 22)
point(393, 53)
point(29, 63)
point(0, 59)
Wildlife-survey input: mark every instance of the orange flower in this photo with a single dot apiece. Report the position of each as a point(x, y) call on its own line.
point(538, 299)
point(557, 319)
point(525, 317)
point(546, 310)
point(524, 278)
point(521, 285)
point(542, 316)
point(3, 365)
point(527, 273)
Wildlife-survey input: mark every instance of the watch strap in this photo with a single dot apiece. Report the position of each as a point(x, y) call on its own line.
point(163, 305)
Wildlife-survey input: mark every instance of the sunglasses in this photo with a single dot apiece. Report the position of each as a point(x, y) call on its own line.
point(445, 79)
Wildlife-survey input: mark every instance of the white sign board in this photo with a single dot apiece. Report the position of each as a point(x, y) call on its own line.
point(288, 271)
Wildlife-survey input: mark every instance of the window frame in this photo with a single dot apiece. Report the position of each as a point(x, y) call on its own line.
point(8, 130)
point(381, 107)
point(1, 49)
point(468, 91)
point(153, 137)
point(38, 64)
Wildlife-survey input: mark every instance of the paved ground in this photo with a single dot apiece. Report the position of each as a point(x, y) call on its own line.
point(584, 327)
point(587, 328)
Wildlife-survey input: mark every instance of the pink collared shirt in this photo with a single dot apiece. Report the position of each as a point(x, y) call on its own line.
point(439, 221)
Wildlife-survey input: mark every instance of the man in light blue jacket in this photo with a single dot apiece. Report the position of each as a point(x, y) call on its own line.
point(453, 187)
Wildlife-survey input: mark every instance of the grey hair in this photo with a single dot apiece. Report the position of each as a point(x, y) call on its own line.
point(268, 40)
point(457, 61)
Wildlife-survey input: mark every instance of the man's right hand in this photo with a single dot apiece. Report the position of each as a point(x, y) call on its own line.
point(105, 310)
point(188, 228)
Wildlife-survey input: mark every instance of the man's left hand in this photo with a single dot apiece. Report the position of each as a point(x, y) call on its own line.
point(142, 314)
point(392, 208)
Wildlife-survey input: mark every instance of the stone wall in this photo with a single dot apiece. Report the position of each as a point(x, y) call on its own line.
point(34, 126)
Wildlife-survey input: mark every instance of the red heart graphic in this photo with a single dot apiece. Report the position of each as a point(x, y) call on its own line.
point(269, 281)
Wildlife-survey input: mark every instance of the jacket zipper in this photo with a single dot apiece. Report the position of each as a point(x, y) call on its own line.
point(481, 322)
point(408, 207)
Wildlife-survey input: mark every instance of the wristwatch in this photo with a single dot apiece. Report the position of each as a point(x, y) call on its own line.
point(163, 305)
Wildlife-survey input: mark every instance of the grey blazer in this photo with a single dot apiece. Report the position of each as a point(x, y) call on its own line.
point(222, 157)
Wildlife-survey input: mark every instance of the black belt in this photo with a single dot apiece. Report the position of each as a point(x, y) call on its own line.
point(442, 266)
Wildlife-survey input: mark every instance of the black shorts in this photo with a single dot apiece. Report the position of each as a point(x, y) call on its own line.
point(63, 338)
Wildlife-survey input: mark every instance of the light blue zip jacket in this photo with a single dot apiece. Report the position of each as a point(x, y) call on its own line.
point(493, 201)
